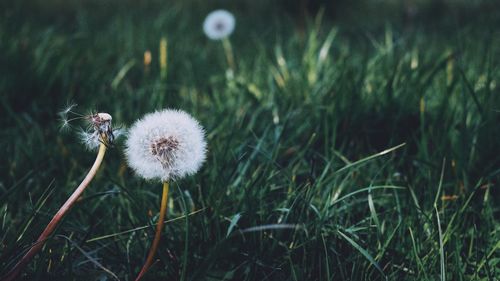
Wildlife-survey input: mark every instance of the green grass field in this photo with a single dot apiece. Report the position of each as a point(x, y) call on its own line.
point(338, 149)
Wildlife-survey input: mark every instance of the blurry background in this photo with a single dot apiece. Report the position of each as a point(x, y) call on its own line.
point(318, 85)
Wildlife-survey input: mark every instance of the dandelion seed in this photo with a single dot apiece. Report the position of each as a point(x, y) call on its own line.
point(89, 139)
point(219, 24)
point(165, 145)
point(65, 125)
point(67, 109)
point(63, 117)
point(119, 131)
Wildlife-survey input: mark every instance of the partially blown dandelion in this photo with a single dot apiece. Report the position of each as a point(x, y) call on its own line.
point(165, 145)
point(99, 134)
point(99, 126)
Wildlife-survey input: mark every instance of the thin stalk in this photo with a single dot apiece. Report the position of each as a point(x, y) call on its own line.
point(12, 275)
point(228, 50)
point(159, 228)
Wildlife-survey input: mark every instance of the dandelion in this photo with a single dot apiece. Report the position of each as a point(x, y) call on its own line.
point(98, 134)
point(99, 126)
point(165, 145)
point(218, 25)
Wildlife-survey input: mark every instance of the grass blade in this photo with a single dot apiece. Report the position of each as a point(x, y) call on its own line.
point(363, 252)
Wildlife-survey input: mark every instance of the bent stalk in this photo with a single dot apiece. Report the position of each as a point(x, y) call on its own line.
point(12, 275)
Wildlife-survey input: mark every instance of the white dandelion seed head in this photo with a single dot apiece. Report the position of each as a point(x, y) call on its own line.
point(166, 145)
point(219, 24)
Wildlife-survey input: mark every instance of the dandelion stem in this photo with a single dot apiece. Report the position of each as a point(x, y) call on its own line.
point(159, 227)
point(228, 50)
point(12, 275)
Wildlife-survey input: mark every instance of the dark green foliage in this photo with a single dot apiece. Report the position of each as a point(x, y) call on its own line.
point(297, 183)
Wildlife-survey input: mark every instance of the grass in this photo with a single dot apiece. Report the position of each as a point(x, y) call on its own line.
point(336, 152)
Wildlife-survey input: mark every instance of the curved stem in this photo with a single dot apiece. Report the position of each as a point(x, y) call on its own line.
point(12, 275)
point(159, 227)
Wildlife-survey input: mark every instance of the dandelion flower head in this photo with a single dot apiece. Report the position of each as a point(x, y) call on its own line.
point(166, 145)
point(219, 24)
point(99, 129)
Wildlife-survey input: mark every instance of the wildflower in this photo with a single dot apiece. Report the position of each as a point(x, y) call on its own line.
point(99, 131)
point(99, 134)
point(219, 24)
point(165, 145)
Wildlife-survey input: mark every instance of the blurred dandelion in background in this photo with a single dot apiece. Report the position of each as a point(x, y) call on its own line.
point(218, 25)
